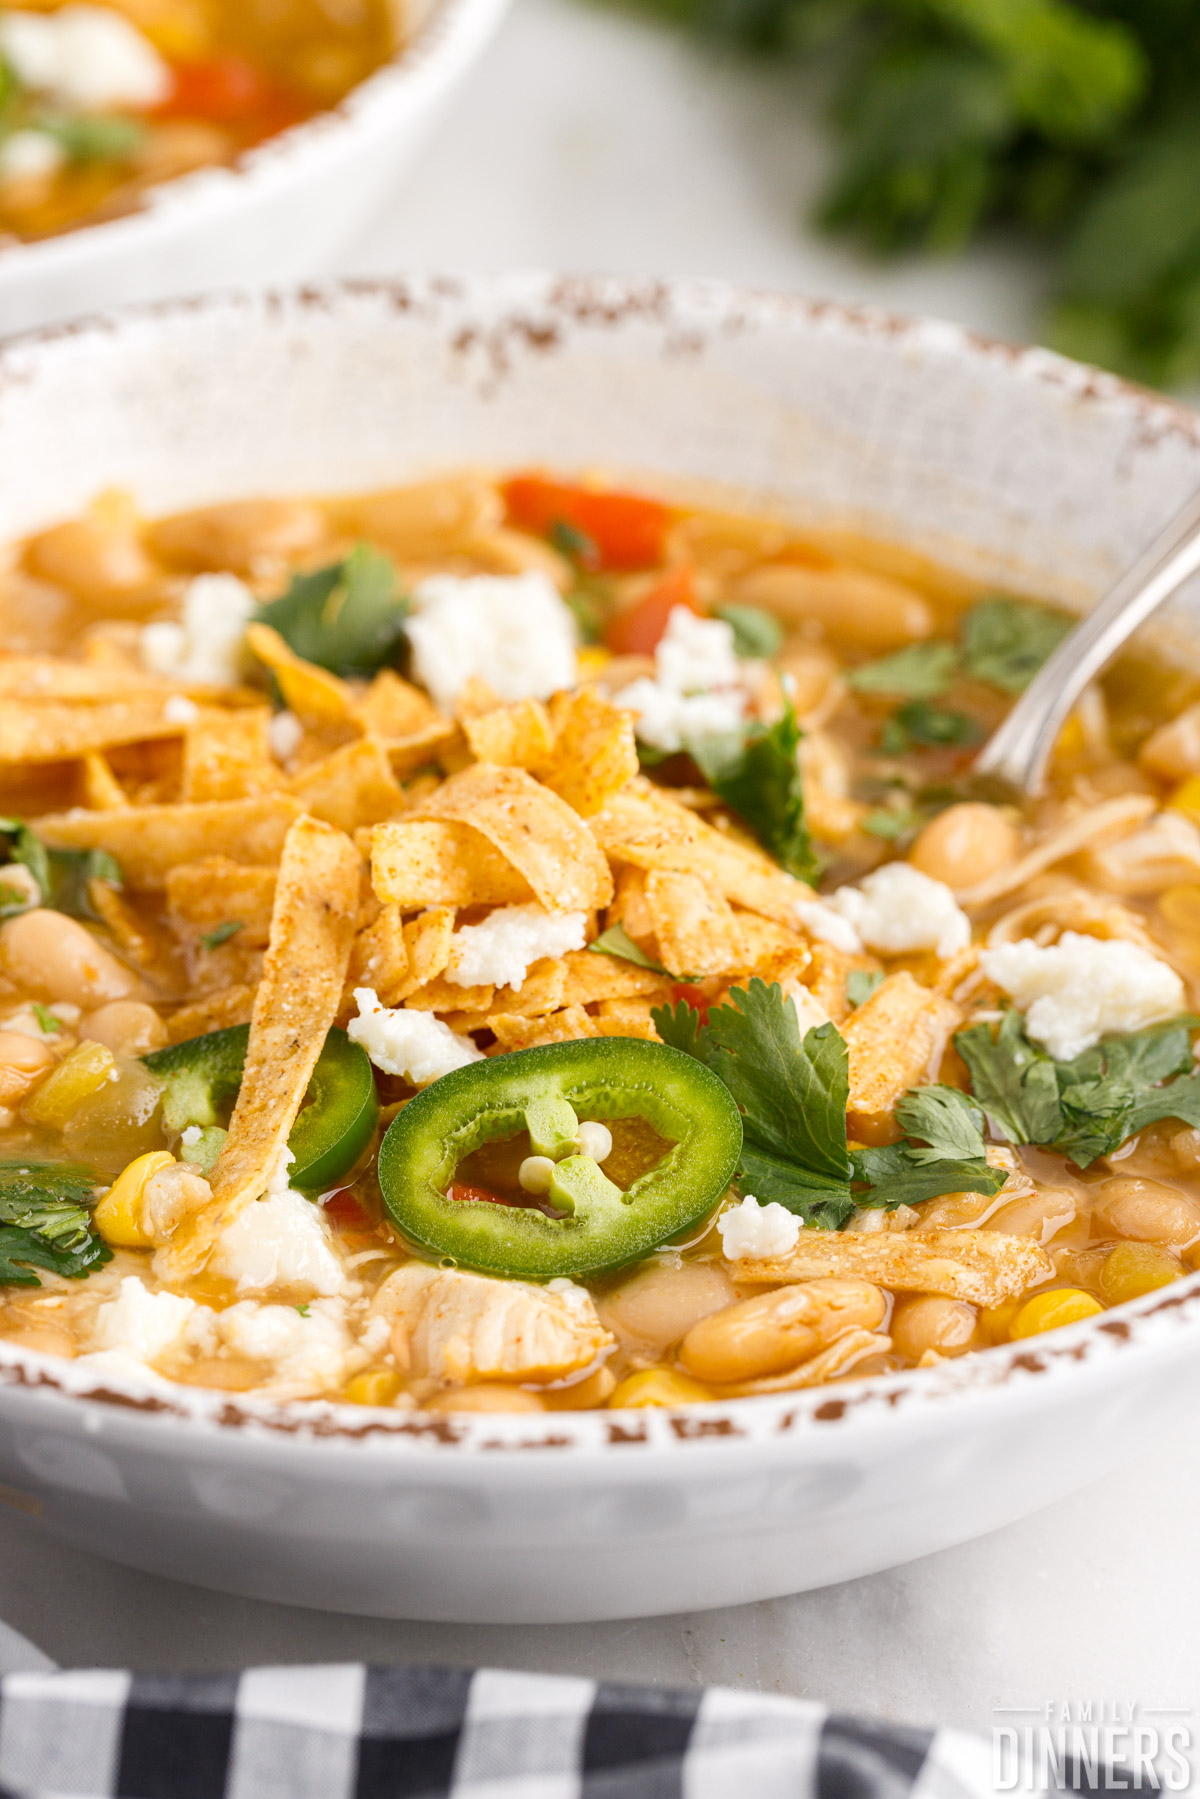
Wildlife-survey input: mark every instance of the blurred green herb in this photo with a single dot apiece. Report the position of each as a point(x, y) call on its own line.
point(347, 617)
point(221, 933)
point(757, 773)
point(1074, 122)
point(63, 876)
point(755, 633)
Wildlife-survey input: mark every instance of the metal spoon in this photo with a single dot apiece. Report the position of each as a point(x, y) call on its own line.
point(1017, 753)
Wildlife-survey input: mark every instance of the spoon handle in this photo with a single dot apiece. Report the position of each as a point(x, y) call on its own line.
point(1018, 751)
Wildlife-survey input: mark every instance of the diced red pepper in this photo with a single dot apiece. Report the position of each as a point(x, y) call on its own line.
point(228, 90)
point(638, 629)
point(463, 1190)
point(628, 531)
point(344, 1210)
point(695, 997)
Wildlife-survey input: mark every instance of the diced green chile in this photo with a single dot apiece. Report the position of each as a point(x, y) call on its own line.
point(597, 1078)
point(335, 1123)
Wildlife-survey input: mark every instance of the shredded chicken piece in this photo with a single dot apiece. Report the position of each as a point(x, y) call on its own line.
point(1061, 905)
point(854, 1347)
point(471, 1327)
point(984, 1267)
point(1097, 825)
point(1165, 851)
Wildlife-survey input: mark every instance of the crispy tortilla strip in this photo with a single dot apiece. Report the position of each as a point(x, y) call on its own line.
point(566, 1026)
point(541, 990)
point(984, 1267)
point(439, 741)
point(215, 1013)
point(135, 938)
point(626, 1018)
point(767, 944)
point(591, 976)
point(353, 787)
point(53, 678)
point(854, 1347)
point(396, 958)
point(227, 756)
point(215, 891)
point(102, 792)
point(516, 736)
point(475, 699)
point(827, 974)
point(316, 899)
point(645, 827)
point(318, 698)
point(595, 752)
point(696, 929)
point(45, 731)
point(895, 1040)
point(392, 707)
point(149, 841)
point(437, 864)
point(536, 832)
point(441, 995)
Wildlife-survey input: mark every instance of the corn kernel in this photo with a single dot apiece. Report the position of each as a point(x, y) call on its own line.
point(996, 1321)
point(1050, 1311)
point(1132, 1269)
point(1186, 797)
point(1071, 740)
point(1180, 907)
point(118, 1217)
point(76, 1078)
point(376, 1386)
point(658, 1386)
point(591, 660)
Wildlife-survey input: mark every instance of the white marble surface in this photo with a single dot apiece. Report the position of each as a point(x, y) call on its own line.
point(587, 140)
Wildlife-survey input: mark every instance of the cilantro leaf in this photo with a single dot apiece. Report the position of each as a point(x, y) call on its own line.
point(48, 1024)
point(63, 876)
point(347, 617)
point(950, 1123)
point(792, 1095)
point(1087, 1107)
point(1005, 642)
point(861, 984)
point(757, 774)
point(616, 941)
point(221, 933)
point(895, 1179)
point(93, 137)
point(920, 671)
point(755, 633)
point(45, 1222)
point(933, 727)
point(1013, 1080)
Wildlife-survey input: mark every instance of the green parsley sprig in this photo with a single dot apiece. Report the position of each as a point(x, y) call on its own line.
point(347, 617)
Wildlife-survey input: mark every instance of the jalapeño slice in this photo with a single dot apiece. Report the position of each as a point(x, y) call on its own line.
point(546, 1093)
point(334, 1125)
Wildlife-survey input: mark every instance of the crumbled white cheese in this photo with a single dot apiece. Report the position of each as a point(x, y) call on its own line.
point(141, 1322)
point(283, 1240)
point(696, 653)
point(191, 1136)
point(513, 631)
point(697, 689)
point(179, 710)
point(502, 946)
point(30, 156)
point(284, 732)
point(827, 926)
point(414, 1045)
point(19, 884)
point(896, 909)
point(666, 720)
point(85, 57)
point(758, 1231)
point(1082, 988)
point(307, 1351)
point(206, 646)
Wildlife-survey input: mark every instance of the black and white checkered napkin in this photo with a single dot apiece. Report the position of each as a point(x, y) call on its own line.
point(352, 1732)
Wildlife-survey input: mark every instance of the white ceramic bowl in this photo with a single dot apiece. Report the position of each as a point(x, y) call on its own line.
point(1011, 463)
point(276, 215)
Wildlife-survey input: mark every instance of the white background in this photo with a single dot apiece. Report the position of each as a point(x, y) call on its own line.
point(588, 140)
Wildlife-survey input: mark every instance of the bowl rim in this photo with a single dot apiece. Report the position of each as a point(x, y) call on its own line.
point(413, 77)
point(1152, 1324)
